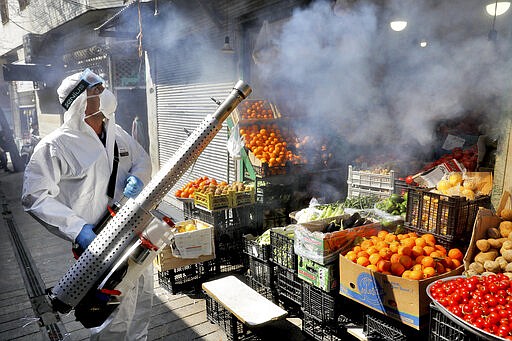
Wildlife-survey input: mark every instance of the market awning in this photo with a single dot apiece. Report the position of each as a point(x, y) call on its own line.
point(30, 72)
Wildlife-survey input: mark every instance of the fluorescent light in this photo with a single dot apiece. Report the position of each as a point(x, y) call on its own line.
point(398, 25)
point(500, 7)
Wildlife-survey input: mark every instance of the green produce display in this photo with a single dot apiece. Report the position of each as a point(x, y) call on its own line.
point(394, 205)
point(264, 238)
point(362, 202)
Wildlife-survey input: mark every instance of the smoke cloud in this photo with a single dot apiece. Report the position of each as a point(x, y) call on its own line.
point(350, 72)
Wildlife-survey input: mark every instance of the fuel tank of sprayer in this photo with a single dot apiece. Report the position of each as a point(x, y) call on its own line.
point(118, 242)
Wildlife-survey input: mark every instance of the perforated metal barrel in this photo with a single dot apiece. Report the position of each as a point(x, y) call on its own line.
point(120, 233)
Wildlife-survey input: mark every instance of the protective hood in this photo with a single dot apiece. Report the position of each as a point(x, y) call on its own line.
point(74, 117)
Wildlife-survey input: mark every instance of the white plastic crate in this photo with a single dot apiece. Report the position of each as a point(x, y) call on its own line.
point(365, 183)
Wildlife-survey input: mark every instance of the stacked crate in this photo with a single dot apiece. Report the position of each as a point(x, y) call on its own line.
point(366, 183)
point(260, 274)
point(288, 284)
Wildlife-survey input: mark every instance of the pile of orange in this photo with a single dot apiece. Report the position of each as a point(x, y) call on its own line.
point(407, 255)
point(187, 191)
point(268, 145)
point(255, 110)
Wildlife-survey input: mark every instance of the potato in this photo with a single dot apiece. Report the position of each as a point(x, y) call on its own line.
point(507, 244)
point(502, 262)
point(493, 233)
point(476, 267)
point(483, 245)
point(496, 243)
point(508, 274)
point(508, 268)
point(470, 273)
point(506, 214)
point(481, 257)
point(507, 254)
point(488, 273)
point(505, 228)
point(492, 266)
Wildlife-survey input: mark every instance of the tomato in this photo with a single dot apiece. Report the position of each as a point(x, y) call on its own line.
point(409, 180)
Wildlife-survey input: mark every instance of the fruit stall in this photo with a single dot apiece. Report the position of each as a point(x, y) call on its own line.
point(403, 251)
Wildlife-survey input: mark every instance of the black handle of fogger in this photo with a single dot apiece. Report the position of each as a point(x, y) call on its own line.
point(109, 214)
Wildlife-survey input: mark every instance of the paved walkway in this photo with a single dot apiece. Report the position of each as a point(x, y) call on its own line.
point(174, 317)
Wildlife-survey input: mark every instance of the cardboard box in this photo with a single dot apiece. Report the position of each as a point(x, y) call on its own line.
point(167, 261)
point(324, 248)
point(485, 219)
point(402, 299)
point(321, 276)
point(194, 243)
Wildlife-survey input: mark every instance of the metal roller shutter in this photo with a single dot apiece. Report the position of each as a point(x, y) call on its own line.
point(180, 108)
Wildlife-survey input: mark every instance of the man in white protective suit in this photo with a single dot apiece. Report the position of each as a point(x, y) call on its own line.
point(66, 185)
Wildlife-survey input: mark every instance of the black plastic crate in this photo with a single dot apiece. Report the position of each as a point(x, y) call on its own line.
point(185, 279)
point(282, 252)
point(449, 219)
point(380, 328)
point(322, 305)
point(229, 255)
point(289, 285)
point(253, 249)
point(318, 330)
point(216, 313)
point(265, 291)
point(262, 271)
point(444, 329)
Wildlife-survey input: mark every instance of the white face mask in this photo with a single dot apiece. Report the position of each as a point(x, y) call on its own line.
point(108, 104)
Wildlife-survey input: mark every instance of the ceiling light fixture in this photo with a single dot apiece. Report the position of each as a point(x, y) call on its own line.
point(227, 47)
point(423, 43)
point(398, 25)
point(497, 8)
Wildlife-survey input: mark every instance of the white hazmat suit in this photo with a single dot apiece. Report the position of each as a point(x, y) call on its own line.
point(65, 187)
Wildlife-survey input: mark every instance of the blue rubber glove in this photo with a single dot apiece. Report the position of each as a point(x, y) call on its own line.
point(86, 236)
point(133, 187)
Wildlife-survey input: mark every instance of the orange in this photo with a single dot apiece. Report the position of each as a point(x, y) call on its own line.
point(374, 258)
point(372, 267)
point(382, 234)
point(455, 254)
point(390, 237)
point(406, 274)
point(384, 265)
point(365, 244)
point(394, 246)
point(357, 248)
point(417, 251)
point(427, 250)
point(404, 250)
point(397, 269)
point(395, 258)
point(409, 242)
point(429, 272)
point(351, 255)
point(429, 238)
point(419, 259)
point(420, 242)
point(381, 245)
point(447, 262)
point(417, 267)
point(437, 254)
point(456, 263)
point(428, 261)
point(406, 261)
point(416, 275)
point(385, 253)
point(363, 254)
point(440, 248)
point(363, 261)
point(372, 249)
